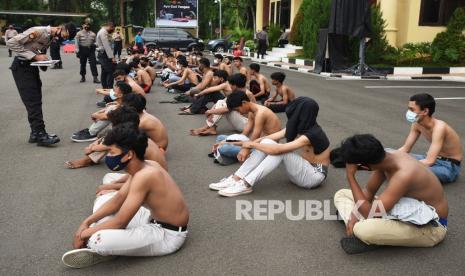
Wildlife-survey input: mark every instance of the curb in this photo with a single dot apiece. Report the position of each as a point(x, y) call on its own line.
point(398, 70)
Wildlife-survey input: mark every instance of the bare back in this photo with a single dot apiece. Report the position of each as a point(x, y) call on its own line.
point(422, 184)
point(451, 146)
point(164, 198)
point(271, 122)
point(154, 129)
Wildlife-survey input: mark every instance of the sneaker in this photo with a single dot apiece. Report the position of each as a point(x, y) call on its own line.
point(171, 90)
point(353, 245)
point(84, 257)
point(101, 104)
point(84, 136)
point(223, 184)
point(238, 188)
point(81, 131)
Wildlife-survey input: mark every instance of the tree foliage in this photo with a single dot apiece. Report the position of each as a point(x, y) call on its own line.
point(311, 17)
point(450, 45)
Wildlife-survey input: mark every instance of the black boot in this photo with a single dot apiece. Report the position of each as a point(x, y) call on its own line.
point(96, 79)
point(42, 138)
point(83, 78)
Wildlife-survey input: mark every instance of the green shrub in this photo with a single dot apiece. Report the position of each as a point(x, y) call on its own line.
point(378, 45)
point(449, 45)
point(274, 32)
point(251, 45)
point(237, 33)
point(311, 17)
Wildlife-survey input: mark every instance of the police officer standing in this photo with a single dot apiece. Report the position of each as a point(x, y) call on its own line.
point(85, 50)
point(31, 46)
point(9, 33)
point(105, 54)
point(55, 47)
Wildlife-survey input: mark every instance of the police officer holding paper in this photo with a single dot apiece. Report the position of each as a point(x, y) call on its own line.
point(85, 50)
point(105, 54)
point(31, 46)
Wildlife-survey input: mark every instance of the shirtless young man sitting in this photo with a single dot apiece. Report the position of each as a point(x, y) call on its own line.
point(147, 66)
point(210, 94)
point(220, 109)
point(307, 168)
point(121, 75)
point(282, 90)
point(96, 151)
point(142, 77)
point(207, 81)
point(148, 216)
point(188, 78)
point(150, 124)
point(259, 84)
point(223, 64)
point(261, 121)
point(411, 211)
point(240, 68)
point(99, 118)
point(444, 155)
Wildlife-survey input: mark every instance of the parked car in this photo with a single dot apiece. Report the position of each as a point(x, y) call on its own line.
point(171, 37)
point(219, 45)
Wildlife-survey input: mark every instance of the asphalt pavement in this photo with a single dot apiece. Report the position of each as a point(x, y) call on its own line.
point(42, 203)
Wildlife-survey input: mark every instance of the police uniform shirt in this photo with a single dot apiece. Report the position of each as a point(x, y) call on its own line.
point(34, 41)
point(10, 33)
point(103, 43)
point(85, 39)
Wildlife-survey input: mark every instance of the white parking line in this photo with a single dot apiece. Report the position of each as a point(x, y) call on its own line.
point(452, 98)
point(415, 87)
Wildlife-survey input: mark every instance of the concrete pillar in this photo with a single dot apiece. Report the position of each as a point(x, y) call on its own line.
point(389, 10)
point(259, 15)
point(295, 6)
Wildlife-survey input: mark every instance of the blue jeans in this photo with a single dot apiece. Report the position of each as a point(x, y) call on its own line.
point(227, 150)
point(446, 171)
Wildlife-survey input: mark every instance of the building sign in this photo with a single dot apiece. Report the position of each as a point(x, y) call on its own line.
point(176, 13)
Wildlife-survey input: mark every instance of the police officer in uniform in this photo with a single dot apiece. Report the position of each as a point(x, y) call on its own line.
point(9, 33)
point(55, 46)
point(105, 54)
point(31, 46)
point(85, 50)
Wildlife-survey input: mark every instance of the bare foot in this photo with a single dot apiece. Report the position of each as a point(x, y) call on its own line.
point(196, 131)
point(80, 163)
point(208, 131)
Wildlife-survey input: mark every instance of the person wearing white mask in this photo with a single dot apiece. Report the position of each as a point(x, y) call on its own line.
point(444, 155)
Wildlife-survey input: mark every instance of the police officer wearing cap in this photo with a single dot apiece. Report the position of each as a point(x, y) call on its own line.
point(105, 54)
point(31, 46)
point(85, 50)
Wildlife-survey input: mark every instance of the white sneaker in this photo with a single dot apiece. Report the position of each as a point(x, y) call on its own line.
point(223, 184)
point(238, 188)
point(84, 257)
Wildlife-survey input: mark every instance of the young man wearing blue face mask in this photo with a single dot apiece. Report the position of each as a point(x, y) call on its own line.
point(444, 155)
point(148, 216)
point(100, 117)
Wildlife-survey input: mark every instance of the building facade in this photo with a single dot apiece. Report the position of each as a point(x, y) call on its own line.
point(407, 20)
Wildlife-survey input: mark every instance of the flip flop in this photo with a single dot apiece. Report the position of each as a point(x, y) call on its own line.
point(185, 113)
point(353, 245)
point(205, 134)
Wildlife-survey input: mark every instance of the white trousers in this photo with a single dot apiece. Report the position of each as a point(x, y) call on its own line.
point(299, 170)
point(140, 238)
point(235, 119)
